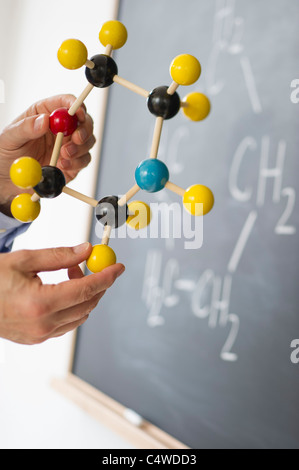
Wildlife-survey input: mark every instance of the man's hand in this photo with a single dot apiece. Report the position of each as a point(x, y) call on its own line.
point(29, 136)
point(30, 312)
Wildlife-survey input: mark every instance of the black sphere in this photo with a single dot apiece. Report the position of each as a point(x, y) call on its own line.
point(108, 212)
point(161, 104)
point(104, 71)
point(52, 184)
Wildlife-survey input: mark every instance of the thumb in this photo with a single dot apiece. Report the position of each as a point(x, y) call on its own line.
point(52, 259)
point(30, 128)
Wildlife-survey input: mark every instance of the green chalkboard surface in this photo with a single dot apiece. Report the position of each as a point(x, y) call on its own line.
point(197, 339)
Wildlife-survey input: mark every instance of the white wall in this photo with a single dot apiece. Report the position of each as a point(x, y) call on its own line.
point(32, 415)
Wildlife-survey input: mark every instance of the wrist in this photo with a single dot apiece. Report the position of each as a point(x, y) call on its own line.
point(6, 198)
point(5, 209)
point(7, 194)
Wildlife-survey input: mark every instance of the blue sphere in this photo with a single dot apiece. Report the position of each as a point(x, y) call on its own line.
point(152, 175)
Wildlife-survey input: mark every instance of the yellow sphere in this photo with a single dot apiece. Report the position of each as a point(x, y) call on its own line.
point(142, 215)
point(198, 108)
point(102, 257)
point(114, 33)
point(72, 54)
point(26, 173)
point(24, 209)
point(198, 200)
point(185, 69)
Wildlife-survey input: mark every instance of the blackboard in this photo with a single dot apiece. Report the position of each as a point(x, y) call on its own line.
point(198, 341)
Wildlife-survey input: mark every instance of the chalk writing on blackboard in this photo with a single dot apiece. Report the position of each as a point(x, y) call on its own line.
point(295, 352)
point(264, 173)
point(228, 32)
point(295, 92)
point(210, 294)
point(163, 287)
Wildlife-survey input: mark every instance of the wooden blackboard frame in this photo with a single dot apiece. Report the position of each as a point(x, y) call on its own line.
point(112, 414)
point(100, 406)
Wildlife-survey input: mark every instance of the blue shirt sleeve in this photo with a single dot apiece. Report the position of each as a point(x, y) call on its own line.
point(9, 230)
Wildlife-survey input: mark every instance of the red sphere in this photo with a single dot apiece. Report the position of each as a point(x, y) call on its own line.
point(61, 121)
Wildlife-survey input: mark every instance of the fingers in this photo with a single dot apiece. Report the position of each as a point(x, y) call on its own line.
point(25, 130)
point(51, 260)
point(56, 333)
point(67, 328)
point(74, 156)
point(75, 273)
point(82, 138)
point(75, 314)
point(84, 131)
point(34, 123)
point(49, 105)
point(39, 311)
point(75, 292)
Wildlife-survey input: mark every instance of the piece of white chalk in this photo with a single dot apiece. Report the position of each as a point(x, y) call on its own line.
point(133, 417)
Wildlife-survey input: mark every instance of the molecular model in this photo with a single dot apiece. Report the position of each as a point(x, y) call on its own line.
point(151, 175)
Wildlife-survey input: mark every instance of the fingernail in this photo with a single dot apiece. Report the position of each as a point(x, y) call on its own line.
point(71, 150)
point(39, 122)
point(81, 249)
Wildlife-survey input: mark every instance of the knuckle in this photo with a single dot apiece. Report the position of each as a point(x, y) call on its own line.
point(89, 292)
point(23, 257)
point(95, 290)
point(33, 110)
point(58, 253)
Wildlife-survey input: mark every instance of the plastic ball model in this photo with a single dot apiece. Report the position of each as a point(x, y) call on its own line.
point(151, 175)
point(25, 173)
point(72, 54)
point(185, 69)
point(109, 213)
point(102, 74)
point(52, 183)
point(162, 104)
point(141, 215)
point(24, 209)
point(102, 257)
point(198, 200)
point(61, 121)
